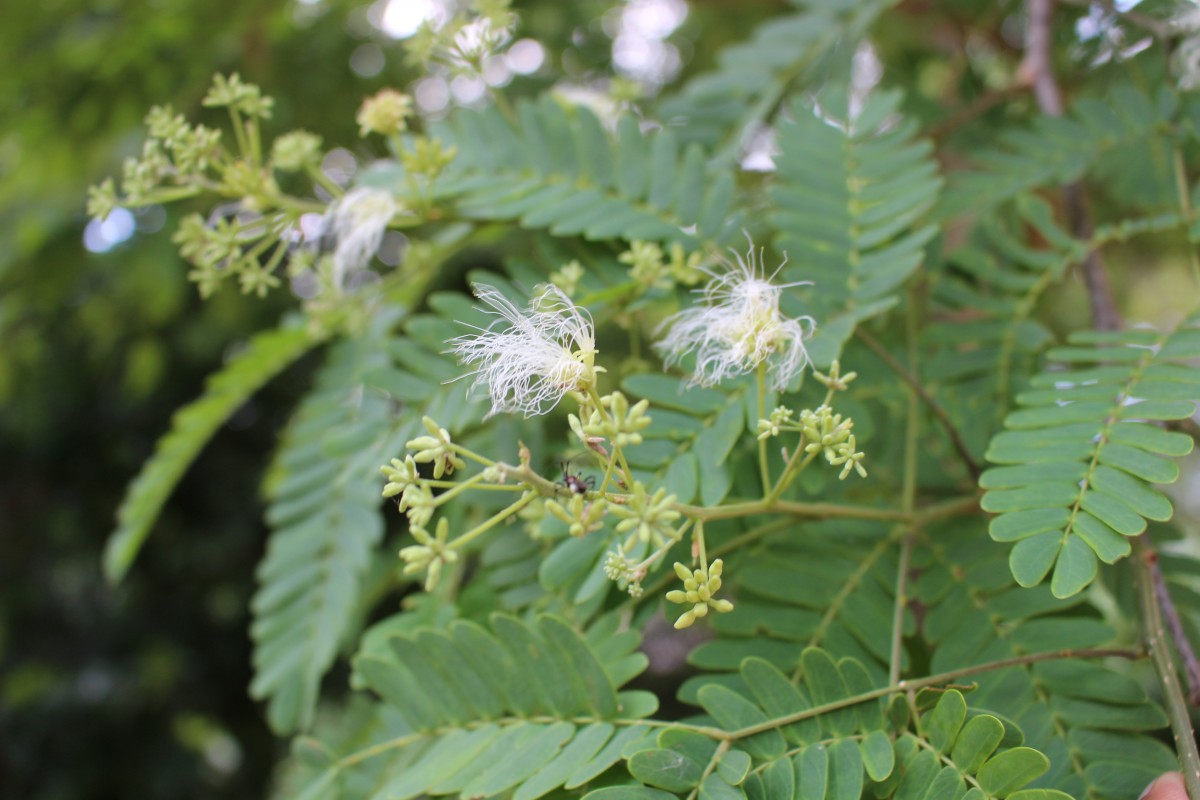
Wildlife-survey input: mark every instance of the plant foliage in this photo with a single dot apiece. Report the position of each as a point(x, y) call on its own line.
point(631, 426)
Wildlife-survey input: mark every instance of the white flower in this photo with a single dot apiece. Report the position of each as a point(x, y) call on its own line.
point(545, 351)
point(738, 326)
point(357, 223)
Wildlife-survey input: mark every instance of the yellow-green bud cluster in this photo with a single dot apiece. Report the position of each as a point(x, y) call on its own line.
point(581, 516)
point(385, 113)
point(829, 433)
point(779, 418)
point(622, 425)
point(699, 589)
point(625, 572)
point(429, 554)
point(296, 150)
point(427, 157)
point(648, 517)
point(437, 448)
point(568, 277)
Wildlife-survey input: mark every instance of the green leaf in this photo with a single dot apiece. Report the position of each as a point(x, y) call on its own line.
point(266, 355)
point(609, 755)
point(825, 682)
point(628, 793)
point(1075, 569)
point(1008, 771)
point(942, 724)
point(666, 769)
point(979, 739)
point(734, 766)
point(845, 771)
point(878, 756)
point(733, 712)
point(1086, 419)
point(521, 763)
point(716, 787)
point(1032, 558)
point(780, 698)
point(812, 772)
point(582, 748)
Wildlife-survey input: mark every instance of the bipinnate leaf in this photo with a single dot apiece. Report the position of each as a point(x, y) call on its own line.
point(861, 236)
point(1092, 423)
point(264, 357)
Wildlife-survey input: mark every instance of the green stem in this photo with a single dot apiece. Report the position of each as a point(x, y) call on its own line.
point(898, 609)
point(763, 466)
point(1185, 208)
point(795, 508)
point(239, 133)
point(492, 521)
point(487, 487)
point(324, 181)
point(457, 488)
point(478, 459)
point(791, 471)
point(932, 680)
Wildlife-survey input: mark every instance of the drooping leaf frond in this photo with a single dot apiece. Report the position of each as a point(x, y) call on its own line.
point(560, 169)
point(476, 712)
point(264, 357)
point(720, 108)
point(851, 192)
point(977, 614)
point(325, 518)
point(1079, 458)
point(1057, 150)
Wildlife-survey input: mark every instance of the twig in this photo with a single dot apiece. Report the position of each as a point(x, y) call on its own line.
point(1177, 710)
point(901, 603)
point(1038, 69)
point(934, 406)
point(1191, 667)
point(934, 680)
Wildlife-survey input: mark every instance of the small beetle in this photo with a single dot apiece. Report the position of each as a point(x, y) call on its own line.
point(575, 483)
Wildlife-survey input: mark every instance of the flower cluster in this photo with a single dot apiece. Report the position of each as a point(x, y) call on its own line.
point(829, 434)
point(429, 554)
point(699, 587)
point(738, 326)
point(536, 356)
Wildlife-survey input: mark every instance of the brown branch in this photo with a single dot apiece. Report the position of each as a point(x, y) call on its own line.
point(1164, 665)
point(1038, 69)
point(934, 406)
point(1191, 666)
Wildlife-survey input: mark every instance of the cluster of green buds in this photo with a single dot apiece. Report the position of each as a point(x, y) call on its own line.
point(821, 431)
point(385, 113)
point(437, 448)
point(647, 517)
point(830, 434)
point(650, 268)
point(581, 516)
point(429, 554)
point(622, 425)
point(624, 571)
point(567, 277)
point(699, 589)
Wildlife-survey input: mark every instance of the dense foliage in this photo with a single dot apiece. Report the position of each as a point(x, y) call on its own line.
point(793, 353)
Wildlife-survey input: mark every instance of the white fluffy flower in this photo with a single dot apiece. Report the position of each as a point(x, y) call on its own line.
point(357, 223)
point(544, 351)
point(738, 326)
